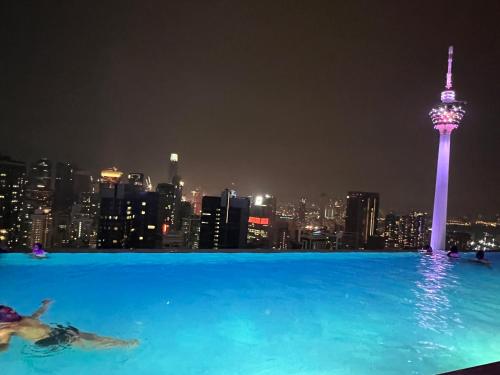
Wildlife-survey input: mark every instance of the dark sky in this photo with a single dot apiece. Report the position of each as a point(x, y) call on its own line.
point(291, 98)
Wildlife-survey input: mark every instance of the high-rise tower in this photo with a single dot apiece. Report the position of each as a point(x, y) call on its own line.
point(446, 117)
point(173, 169)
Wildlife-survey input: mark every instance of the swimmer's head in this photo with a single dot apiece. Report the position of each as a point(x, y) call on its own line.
point(480, 255)
point(8, 315)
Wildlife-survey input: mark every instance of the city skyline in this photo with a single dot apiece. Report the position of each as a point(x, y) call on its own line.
point(311, 199)
point(327, 106)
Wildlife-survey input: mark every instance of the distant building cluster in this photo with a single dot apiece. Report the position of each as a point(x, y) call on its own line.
point(62, 206)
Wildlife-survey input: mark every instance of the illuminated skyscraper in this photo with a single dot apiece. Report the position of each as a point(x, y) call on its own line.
point(173, 172)
point(302, 210)
point(446, 116)
point(196, 197)
point(361, 218)
point(224, 221)
point(407, 231)
point(41, 225)
point(12, 184)
point(261, 222)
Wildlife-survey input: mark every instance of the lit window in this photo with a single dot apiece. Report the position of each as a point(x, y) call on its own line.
point(151, 227)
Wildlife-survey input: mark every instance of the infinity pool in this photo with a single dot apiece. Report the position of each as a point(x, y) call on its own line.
point(227, 314)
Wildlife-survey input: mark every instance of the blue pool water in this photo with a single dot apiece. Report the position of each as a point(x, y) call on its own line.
point(227, 314)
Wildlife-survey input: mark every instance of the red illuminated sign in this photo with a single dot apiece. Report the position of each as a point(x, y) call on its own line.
point(258, 220)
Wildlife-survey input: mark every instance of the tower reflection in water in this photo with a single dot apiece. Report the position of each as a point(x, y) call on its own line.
point(434, 286)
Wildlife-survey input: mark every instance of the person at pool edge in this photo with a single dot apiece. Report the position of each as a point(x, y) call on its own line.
point(480, 258)
point(428, 249)
point(453, 253)
point(32, 329)
point(38, 251)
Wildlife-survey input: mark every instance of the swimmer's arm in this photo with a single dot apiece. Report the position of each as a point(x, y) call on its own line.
point(42, 309)
point(4, 340)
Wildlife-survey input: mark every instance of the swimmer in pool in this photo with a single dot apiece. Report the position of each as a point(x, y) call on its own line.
point(32, 329)
point(480, 258)
point(427, 250)
point(38, 251)
point(453, 253)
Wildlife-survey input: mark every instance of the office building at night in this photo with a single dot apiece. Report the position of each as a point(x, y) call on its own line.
point(63, 188)
point(41, 227)
point(409, 231)
point(260, 222)
point(361, 218)
point(191, 230)
point(301, 212)
point(142, 230)
point(111, 225)
point(12, 185)
point(224, 221)
point(128, 215)
point(173, 168)
point(196, 197)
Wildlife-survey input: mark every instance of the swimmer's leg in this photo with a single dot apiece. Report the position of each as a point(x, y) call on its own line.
point(92, 341)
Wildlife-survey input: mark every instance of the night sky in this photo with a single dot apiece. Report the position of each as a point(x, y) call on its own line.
point(291, 98)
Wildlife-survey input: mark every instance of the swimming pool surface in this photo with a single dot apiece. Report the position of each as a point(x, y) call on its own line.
point(227, 314)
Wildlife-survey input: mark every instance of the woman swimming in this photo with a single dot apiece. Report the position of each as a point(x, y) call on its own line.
point(32, 329)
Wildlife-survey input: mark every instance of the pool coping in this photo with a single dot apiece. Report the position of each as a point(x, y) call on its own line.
point(221, 251)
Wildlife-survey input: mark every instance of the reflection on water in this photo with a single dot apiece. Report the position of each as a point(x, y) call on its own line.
point(435, 283)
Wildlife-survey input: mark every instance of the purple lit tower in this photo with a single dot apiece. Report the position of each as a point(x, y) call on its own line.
point(446, 117)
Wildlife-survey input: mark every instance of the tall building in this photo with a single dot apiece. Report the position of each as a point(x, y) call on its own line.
point(12, 185)
point(84, 212)
point(261, 222)
point(83, 182)
point(137, 181)
point(173, 172)
point(196, 197)
point(168, 206)
point(361, 218)
point(446, 116)
point(41, 227)
point(302, 210)
point(39, 193)
point(191, 230)
point(282, 233)
point(142, 230)
point(40, 174)
point(111, 224)
point(83, 230)
point(38, 199)
point(224, 221)
point(63, 189)
point(64, 198)
point(409, 231)
point(128, 213)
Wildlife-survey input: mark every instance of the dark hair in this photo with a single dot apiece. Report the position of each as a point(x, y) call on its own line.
point(454, 249)
point(8, 316)
point(480, 254)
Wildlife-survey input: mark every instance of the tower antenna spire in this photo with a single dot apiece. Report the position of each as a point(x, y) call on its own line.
point(449, 82)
